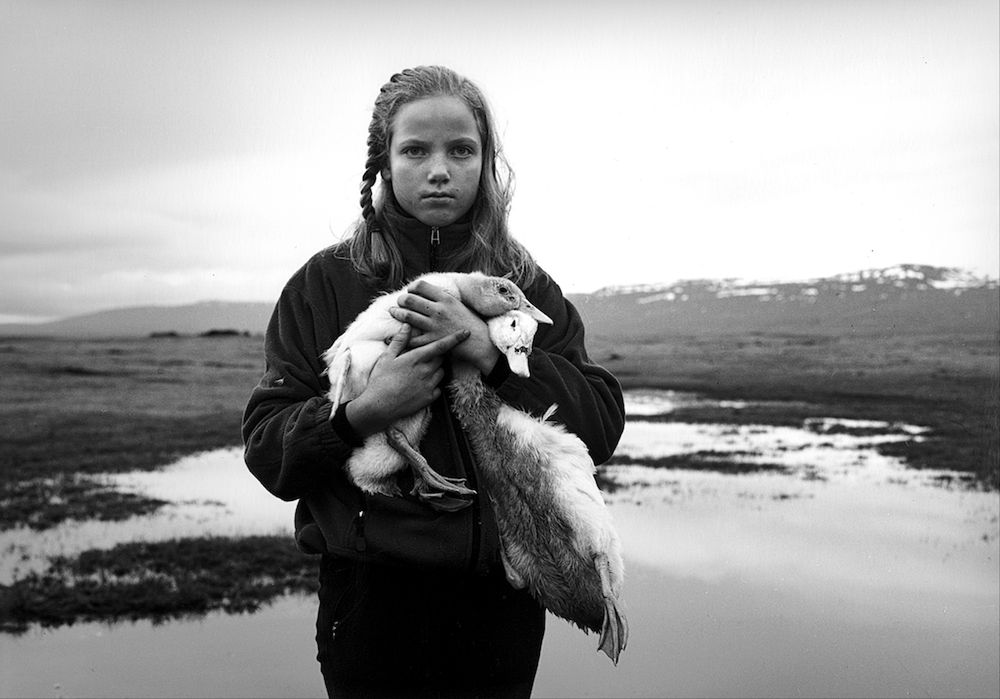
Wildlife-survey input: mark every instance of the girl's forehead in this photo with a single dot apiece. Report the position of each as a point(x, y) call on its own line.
point(430, 118)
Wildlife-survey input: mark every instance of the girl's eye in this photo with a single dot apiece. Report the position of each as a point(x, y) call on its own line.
point(463, 151)
point(412, 151)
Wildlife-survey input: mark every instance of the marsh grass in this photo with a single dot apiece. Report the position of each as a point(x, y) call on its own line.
point(74, 409)
point(161, 580)
point(71, 410)
point(949, 383)
point(68, 497)
point(716, 461)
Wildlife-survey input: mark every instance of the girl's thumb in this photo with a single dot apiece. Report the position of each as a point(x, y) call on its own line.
point(398, 342)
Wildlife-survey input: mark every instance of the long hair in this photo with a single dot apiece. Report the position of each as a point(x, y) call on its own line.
point(490, 247)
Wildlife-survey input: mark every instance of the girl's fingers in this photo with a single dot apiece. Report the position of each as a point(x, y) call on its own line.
point(418, 321)
point(399, 341)
point(427, 290)
point(421, 304)
point(419, 339)
point(440, 346)
point(410, 301)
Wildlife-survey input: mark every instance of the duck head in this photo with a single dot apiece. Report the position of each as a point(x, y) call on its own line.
point(492, 296)
point(512, 333)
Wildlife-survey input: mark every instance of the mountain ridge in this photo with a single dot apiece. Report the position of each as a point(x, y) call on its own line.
point(187, 319)
point(937, 277)
point(905, 298)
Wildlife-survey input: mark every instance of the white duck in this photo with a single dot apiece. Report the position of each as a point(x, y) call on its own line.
point(350, 359)
point(556, 533)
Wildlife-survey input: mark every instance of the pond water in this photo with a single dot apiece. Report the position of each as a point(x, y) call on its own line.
point(842, 574)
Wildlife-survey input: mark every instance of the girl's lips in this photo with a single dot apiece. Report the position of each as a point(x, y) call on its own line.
point(438, 195)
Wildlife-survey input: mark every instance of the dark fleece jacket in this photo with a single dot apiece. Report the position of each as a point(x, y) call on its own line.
point(294, 451)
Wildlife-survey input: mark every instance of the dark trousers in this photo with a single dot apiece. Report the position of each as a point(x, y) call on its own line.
point(400, 633)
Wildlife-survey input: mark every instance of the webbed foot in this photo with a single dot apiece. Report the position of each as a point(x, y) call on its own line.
point(444, 501)
point(437, 491)
point(614, 629)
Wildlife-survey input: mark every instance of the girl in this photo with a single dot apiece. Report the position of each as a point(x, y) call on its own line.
point(414, 601)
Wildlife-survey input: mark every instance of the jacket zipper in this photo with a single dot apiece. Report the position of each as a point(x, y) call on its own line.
point(359, 530)
point(468, 461)
point(475, 564)
point(434, 244)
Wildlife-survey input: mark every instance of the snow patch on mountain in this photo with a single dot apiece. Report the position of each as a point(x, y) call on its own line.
point(899, 278)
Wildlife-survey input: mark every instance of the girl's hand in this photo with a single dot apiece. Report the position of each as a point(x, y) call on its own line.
point(435, 314)
point(401, 382)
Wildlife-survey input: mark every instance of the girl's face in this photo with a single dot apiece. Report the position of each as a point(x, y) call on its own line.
point(435, 159)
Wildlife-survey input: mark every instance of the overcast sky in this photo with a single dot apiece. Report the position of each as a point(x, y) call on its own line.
point(171, 152)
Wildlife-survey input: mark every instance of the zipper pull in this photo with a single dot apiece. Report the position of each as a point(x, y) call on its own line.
point(435, 242)
point(359, 529)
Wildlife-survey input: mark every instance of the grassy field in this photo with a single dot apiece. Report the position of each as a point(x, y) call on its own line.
point(169, 579)
point(946, 383)
point(71, 410)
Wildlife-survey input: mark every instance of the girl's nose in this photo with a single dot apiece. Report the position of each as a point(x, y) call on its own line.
point(438, 170)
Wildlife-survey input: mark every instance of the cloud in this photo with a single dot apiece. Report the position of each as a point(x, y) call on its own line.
point(170, 150)
point(204, 229)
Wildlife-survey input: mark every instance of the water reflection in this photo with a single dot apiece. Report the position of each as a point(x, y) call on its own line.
point(221, 655)
point(842, 574)
point(643, 402)
point(840, 519)
point(813, 451)
point(211, 494)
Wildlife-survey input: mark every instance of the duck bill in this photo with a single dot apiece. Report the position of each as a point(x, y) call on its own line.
point(530, 310)
point(517, 359)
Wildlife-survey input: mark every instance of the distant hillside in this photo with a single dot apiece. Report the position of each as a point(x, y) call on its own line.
point(192, 319)
point(906, 299)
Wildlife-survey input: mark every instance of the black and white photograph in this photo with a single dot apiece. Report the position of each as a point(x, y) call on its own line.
point(482, 349)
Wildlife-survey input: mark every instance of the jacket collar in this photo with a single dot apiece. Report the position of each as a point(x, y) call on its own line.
point(425, 248)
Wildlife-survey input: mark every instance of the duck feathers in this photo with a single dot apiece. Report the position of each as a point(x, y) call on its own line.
point(373, 467)
point(556, 532)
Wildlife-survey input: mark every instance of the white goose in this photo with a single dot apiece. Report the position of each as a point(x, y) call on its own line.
point(556, 533)
point(350, 359)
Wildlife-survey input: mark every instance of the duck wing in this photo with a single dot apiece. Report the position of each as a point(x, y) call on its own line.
point(555, 529)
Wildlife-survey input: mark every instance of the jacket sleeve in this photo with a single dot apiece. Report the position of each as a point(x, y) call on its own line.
point(588, 397)
point(289, 443)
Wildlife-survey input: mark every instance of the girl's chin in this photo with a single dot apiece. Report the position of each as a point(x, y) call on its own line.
point(437, 218)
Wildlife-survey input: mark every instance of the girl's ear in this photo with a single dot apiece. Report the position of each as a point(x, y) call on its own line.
point(386, 173)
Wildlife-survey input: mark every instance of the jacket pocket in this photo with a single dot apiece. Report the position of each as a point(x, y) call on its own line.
point(402, 531)
point(342, 592)
point(385, 530)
